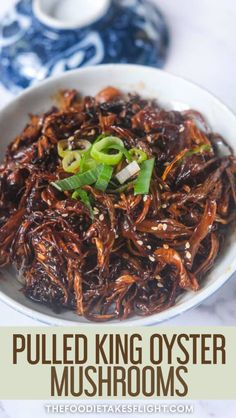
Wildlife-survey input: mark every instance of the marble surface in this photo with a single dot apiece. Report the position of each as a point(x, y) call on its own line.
point(203, 49)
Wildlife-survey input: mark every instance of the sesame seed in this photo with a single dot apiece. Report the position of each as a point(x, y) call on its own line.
point(145, 198)
point(160, 227)
point(161, 187)
point(101, 217)
point(166, 246)
point(188, 255)
point(95, 211)
point(186, 188)
point(152, 258)
point(154, 228)
point(164, 227)
point(158, 277)
point(182, 128)
point(149, 247)
point(187, 245)
point(116, 236)
point(164, 206)
point(64, 215)
point(160, 285)
point(140, 242)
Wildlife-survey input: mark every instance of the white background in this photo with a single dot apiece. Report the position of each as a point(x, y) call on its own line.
point(203, 49)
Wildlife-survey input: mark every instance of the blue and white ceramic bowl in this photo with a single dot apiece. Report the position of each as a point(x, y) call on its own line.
point(39, 38)
point(172, 92)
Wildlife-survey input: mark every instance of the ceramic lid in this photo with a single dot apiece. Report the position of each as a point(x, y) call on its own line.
point(42, 38)
point(69, 14)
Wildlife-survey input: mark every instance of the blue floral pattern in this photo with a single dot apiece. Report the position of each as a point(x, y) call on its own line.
point(132, 31)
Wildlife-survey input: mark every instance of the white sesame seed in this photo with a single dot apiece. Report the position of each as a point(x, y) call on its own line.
point(161, 187)
point(165, 227)
point(164, 206)
point(149, 247)
point(95, 211)
point(140, 242)
point(166, 246)
point(160, 227)
point(187, 245)
point(101, 217)
point(152, 258)
point(160, 285)
point(145, 198)
point(186, 189)
point(188, 255)
point(154, 228)
point(158, 277)
point(182, 128)
point(64, 215)
point(116, 236)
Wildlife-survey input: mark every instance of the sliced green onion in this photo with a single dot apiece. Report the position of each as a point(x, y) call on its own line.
point(142, 183)
point(104, 178)
point(84, 197)
point(87, 163)
point(127, 172)
point(116, 146)
point(79, 180)
point(82, 145)
point(121, 149)
point(99, 148)
point(197, 150)
point(138, 155)
point(71, 161)
point(62, 147)
point(101, 136)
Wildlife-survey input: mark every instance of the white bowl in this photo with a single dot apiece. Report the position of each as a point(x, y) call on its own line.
point(172, 92)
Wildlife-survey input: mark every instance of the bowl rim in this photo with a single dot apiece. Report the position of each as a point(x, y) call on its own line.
point(202, 295)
